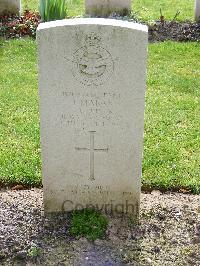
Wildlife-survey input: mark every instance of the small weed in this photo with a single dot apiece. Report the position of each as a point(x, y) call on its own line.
point(2, 255)
point(34, 252)
point(88, 223)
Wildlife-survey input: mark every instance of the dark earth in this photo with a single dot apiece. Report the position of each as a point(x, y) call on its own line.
point(175, 31)
point(168, 233)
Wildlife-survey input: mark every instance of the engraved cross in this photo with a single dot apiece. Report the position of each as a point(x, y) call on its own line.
point(92, 150)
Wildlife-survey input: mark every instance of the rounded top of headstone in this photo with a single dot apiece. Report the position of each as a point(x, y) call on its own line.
point(93, 21)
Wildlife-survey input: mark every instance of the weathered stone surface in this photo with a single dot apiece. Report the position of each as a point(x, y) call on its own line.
point(92, 76)
point(103, 8)
point(197, 10)
point(10, 6)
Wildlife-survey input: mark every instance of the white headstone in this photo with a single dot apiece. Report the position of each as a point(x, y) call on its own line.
point(10, 6)
point(197, 10)
point(104, 8)
point(92, 76)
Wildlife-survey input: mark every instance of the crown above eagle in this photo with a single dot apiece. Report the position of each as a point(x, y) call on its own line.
point(92, 39)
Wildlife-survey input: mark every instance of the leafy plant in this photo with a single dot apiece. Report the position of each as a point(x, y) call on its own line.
point(52, 9)
point(34, 252)
point(88, 223)
point(15, 27)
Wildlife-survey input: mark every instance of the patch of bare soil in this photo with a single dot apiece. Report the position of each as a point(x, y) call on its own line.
point(175, 31)
point(168, 233)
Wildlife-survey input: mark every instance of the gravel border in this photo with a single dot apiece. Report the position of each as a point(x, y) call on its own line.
point(168, 233)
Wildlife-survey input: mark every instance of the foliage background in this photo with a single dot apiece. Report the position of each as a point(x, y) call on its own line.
point(147, 9)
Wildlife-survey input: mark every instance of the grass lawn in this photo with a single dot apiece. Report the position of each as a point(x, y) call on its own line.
point(172, 140)
point(146, 9)
point(150, 9)
point(19, 128)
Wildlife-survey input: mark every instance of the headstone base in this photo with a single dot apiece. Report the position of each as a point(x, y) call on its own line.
point(197, 11)
point(105, 8)
point(8, 7)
